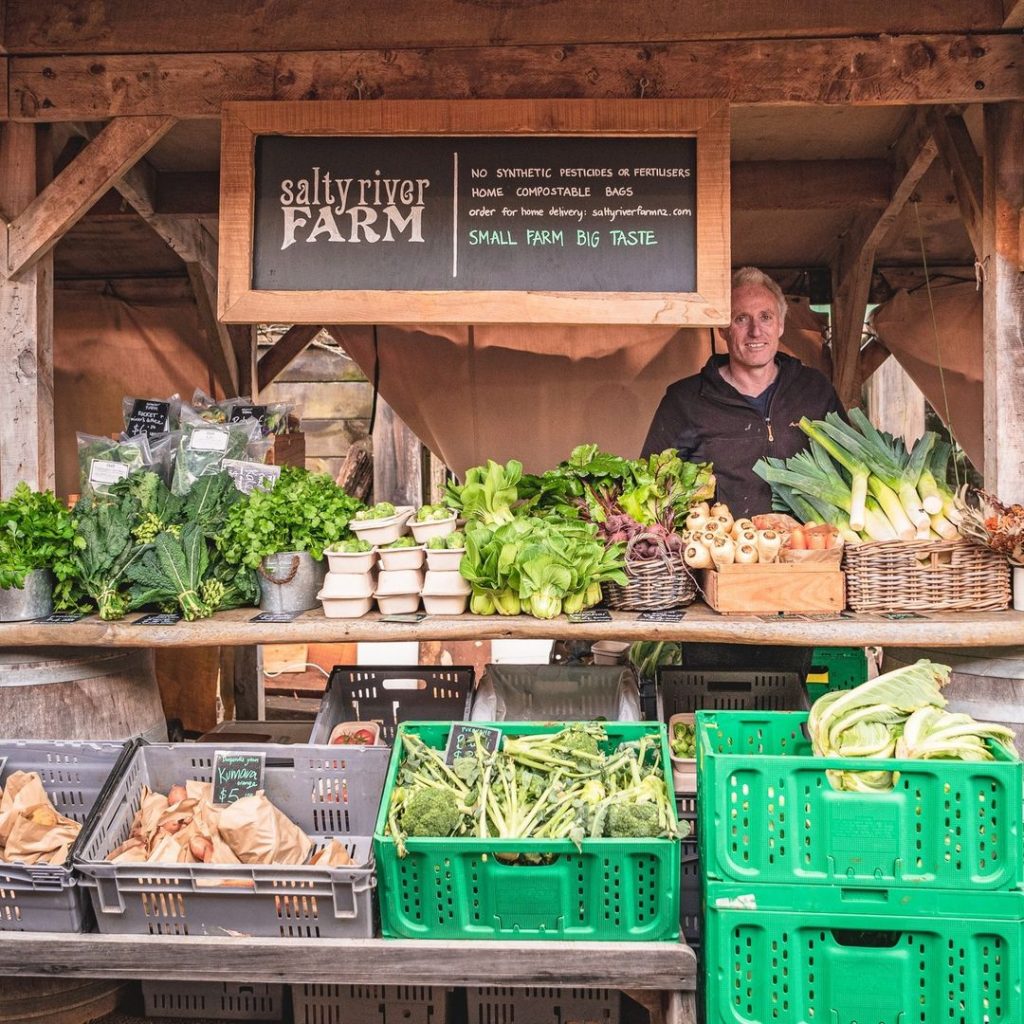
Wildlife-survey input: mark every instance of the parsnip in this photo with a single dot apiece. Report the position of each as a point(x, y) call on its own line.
point(697, 556)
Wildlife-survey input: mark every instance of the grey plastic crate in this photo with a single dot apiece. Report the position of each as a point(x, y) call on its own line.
point(562, 693)
point(683, 690)
point(369, 1004)
point(690, 912)
point(213, 1000)
point(46, 898)
point(327, 791)
point(499, 1005)
point(405, 693)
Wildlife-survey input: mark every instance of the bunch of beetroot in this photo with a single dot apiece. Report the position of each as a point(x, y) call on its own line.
point(654, 541)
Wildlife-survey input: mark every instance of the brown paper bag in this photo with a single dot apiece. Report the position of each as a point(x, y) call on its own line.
point(24, 790)
point(333, 855)
point(38, 834)
point(258, 833)
point(167, 850)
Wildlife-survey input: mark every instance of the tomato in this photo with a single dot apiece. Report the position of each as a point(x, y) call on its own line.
point(359, 738)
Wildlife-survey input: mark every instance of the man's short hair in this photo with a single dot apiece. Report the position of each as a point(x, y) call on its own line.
point(747, 276)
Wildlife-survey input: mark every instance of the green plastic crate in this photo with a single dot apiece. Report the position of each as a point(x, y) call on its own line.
point(615, 889)
point(844, 668)
point(768, 813)
point(815, 953)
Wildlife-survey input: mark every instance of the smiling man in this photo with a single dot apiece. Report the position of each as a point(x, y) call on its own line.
point(746, 404)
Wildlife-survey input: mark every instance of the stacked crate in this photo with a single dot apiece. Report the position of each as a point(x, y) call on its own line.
point(827, 905)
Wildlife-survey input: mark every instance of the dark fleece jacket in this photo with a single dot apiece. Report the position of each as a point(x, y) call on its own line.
point(708, 420)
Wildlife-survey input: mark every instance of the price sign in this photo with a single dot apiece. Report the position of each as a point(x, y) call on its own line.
point(59, 618)
point(250, 475)
point(158, 619)
point(3, 766)
point(148, 417)
point(248, 412)
point(237, 774)
point(668, 615)
point(462, 741)
point(897, 616)
point(591, 615)
point(274, 617)
point(409, 617)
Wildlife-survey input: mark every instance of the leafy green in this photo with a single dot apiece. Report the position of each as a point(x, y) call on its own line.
point(402, 542)
point(36, 532)
point(304, 512)
point(430, 513)
point(203, 447)
point(488, 494)
point(171, 571)
point(382, 510)
point(352, 546)
point(133, 454)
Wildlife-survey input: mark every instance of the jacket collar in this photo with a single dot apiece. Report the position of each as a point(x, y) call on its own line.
point(714, 387)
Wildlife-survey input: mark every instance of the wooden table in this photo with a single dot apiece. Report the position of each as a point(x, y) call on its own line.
point(699, 625)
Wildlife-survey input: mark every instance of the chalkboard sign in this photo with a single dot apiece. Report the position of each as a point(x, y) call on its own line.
point(462, 741)
point(237, 774)
point(510, 214)
point(148, 416)
point(477, 212)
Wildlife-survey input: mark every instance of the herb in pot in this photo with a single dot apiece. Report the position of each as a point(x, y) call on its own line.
point(433, 513)
point(352, 546)
point(304, 512)
point(36, 532)
point(382, 510)
point(402, 542)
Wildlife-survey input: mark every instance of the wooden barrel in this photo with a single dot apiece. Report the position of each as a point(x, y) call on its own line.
point(79, 693)
point(986, 682)
point(56, 1000)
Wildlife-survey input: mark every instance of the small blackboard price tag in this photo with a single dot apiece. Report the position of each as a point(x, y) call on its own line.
point(591, 615)
point(3, 766)
point(237, 774)
point(248, 412)
point(148, 417)
point(274, 617)
point(408, 617)
point(898, 616)
point(61, 618)
point(668, 615)
point(158, 619)
point(778, 616)
point(462, 741)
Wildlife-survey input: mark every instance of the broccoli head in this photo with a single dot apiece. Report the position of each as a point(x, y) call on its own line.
point(431, 812)
point(575, 738)
point(632, 821)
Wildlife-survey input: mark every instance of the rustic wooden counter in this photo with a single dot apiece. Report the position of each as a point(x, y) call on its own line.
point(699, 625)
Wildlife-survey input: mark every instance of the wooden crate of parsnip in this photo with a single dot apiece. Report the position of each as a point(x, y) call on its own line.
point(767, 564)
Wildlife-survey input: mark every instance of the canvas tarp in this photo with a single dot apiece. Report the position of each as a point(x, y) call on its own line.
point(954, 340)
point(534, 392)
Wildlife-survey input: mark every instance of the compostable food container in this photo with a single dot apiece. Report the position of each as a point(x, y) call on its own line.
point(393, 559)
point(382, 531)
point(351, 561)
point(444, 559)
point(433, 528)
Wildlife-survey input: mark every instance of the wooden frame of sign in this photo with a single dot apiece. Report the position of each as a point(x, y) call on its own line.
point(705, 121)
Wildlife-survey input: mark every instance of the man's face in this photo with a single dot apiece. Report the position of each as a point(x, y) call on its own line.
point(752, 336)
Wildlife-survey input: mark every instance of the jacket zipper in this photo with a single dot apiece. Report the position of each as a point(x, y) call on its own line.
point(768, 424)
point(768, 418)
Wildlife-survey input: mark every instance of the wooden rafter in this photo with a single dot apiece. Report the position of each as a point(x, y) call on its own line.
point(964, 166)
point(912, 155)
point(872, 70)
point(285, 351)
point(63, 202)
point(1013, 13)
point(872, 355)
point(222, 350)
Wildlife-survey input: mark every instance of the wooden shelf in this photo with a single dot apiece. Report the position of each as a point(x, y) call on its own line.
point(699, 625)
point(651, 966)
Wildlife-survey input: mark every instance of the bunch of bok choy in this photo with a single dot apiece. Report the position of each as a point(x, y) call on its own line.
point(865, 482)
point(899, 714)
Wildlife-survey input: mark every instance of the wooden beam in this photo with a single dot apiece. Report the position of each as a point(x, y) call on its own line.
point(60, 205)
point(893, 70)
point(912, 155)
point(397, 466)
point(872, 356)
point(286, 350)
point(1003, 308)
point(222, 352)
point(895, 403)
point(125, 26)
point(26, 330)
point(243, 339)
point(1013, 13)
point(964, 166)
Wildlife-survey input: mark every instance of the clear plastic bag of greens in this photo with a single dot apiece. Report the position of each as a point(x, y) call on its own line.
point(272, 417)
point(204, 445)
point(164, 450)
point(150, 415)
point(103, 461)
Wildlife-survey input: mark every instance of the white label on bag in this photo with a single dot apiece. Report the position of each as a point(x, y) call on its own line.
point(103, 471)
point(209, 441)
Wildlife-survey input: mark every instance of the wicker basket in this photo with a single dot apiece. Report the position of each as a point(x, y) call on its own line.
point(654, 584)
point(917, 576)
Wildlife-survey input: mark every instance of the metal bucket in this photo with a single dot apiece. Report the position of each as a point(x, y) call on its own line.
point(290, 581)
point(33, 601)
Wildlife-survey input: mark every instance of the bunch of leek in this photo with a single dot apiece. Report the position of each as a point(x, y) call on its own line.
point(865, 482)
point(898, 714)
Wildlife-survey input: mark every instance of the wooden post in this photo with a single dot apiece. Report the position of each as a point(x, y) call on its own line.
point(895, 403)
point(26, 330)
point(397, 467)
point(1003, 311)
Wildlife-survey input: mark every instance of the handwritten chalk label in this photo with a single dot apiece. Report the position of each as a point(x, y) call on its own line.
point(248, 412)
point(668, 615)
point(901, 615)
point(148, 417)
point(404, 617)
point(248, 476)
point(274, 617)
point(158, 619)
point(462, 741)
point(591, 615)
point(237, 774)
point(60, 618)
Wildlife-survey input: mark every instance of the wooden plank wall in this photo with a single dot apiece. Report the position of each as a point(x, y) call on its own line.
point(331, 394)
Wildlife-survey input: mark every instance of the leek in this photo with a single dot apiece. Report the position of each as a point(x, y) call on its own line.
point(858, 470)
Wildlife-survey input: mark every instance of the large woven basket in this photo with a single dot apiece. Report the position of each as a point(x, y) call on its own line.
point(654, 584)
point(919, 576)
